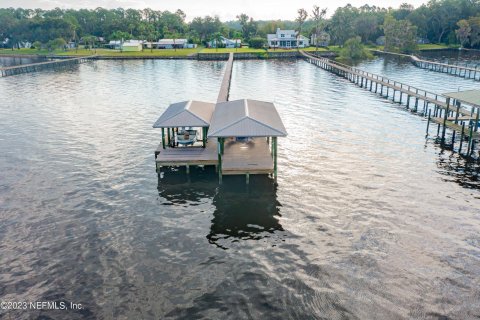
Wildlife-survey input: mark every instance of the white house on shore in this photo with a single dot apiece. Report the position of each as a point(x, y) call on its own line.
point(172, 44)
point(132, 45)
point(286, 39)
point(225, 43)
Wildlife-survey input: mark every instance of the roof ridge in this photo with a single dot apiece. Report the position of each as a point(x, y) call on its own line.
point(228, 125)
point(266, 125)
point(177, 113)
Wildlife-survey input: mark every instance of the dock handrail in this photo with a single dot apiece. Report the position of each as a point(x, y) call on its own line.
point(31, 67)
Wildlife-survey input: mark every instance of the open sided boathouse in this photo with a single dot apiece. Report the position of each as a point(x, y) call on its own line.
point(237, 137)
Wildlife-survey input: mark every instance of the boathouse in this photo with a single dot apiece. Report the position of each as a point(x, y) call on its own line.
point(237, 137)
point(246, 133)
point(185, 119)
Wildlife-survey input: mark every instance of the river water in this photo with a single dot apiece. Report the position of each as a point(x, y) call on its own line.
point(15, 61)
point(369, 220)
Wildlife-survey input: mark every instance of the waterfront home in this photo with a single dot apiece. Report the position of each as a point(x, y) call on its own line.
point(132, 45)
point(114, 44)
point(225, 43)
point(322, 40)
point(172, 44)
point(287, 39)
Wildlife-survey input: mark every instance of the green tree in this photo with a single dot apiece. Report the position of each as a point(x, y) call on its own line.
point(353, 50)
point(300, 20)
point(342, 23)
point(37, 45)
point(318, 17)
point(463, 32)
point(217, 38)
point(400, 35)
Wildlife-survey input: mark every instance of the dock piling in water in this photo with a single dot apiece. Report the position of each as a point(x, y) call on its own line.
point(441, 103)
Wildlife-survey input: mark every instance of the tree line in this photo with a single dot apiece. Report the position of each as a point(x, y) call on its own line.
point(438, 21)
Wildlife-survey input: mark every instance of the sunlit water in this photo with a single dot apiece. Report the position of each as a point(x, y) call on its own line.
point(369, 219)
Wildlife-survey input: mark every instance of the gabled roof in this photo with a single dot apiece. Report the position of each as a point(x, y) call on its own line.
point(186, 114)
point(171, 41)
point(468, 96)
point(246, 118)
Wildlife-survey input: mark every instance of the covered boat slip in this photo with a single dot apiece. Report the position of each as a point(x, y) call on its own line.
point(241, 136)
point(253, 157)
point(244, 129)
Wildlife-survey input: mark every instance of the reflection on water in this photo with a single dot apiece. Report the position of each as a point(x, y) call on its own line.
point(244, 212)
point(241, 211)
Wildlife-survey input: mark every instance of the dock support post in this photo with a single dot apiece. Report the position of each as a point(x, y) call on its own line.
point(163, 138)
point(445, 121)
point(219, 152)
point(428, 122)
point(204, 136)
point(247, 178)
point(274, 140)
point(187, 169)
point(462, 136)
point(470, 140)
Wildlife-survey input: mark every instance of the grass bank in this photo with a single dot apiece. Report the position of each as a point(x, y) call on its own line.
point(105, 52)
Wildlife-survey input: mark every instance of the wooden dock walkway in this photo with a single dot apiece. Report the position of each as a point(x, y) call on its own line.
point(437, 108)
point(455, 70)
point(227, 78)
point(34, 67)
point(187, 156)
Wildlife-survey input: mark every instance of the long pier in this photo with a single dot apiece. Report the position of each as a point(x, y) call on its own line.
point(34, 67)
point(451, 69)
point(227, 78)
point(456, 70)
point(442, 110)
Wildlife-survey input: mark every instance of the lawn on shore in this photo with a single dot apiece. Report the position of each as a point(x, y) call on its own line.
point(186, 52)
point(105, 52)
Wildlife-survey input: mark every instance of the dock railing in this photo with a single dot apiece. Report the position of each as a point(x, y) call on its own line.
point(446, 112)
point(451, 69)
point(34, 67)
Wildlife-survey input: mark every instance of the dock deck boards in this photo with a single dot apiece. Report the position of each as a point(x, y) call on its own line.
point(253, 157)
point(188, 155)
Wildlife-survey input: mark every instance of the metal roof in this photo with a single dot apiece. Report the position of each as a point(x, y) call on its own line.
point(246, 118)
point(186, 114)
point(468, 96)
point(172, 41)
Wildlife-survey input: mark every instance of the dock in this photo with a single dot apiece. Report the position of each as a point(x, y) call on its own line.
point(437, 108)
point(451, 69)
point(34, 67)
point(253, 157)
point(238, 137)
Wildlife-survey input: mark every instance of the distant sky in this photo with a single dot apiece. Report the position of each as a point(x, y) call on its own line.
point(226, 9)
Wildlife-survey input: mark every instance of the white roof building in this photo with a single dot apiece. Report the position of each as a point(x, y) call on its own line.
point(246, 118)
point(171, 43)
point(186, 114)
point(227, 43)
point(286, 39)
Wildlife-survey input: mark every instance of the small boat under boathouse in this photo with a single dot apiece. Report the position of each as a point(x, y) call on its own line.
point(237, 137)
